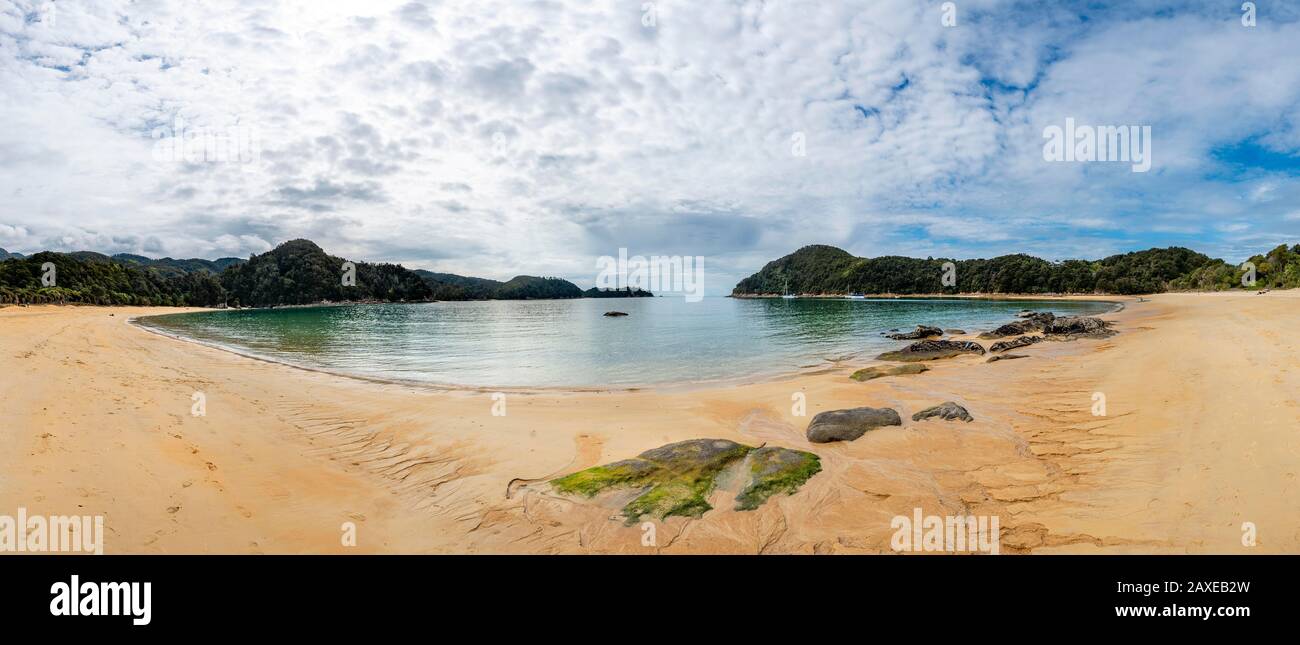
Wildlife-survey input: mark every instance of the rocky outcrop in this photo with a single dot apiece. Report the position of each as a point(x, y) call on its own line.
point(847, 425)
point(1071, 327)
point(929, 350)
point(877, 371)
point(922, 331)
point(1023, 341)
point(947, 411)
point(1030, 322)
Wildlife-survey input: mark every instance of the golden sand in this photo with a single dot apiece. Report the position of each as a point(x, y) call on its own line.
point(1201, 434)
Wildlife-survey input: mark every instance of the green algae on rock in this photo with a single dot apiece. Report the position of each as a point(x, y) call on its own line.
point(677, 478)
point(776, 470)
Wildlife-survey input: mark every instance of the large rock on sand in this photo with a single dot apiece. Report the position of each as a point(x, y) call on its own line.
point(947, 410)
point(922, 331)
point(877, 371)
point(1071, 327)
point(775, 470)
point(847, 425)
point(929, 350)
point(1023, 341)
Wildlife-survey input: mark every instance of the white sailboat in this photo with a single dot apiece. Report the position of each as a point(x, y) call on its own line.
point(787, 295)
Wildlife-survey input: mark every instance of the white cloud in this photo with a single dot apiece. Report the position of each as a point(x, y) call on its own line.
point(497, 136)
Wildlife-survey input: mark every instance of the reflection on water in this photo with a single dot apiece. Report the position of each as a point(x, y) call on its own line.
point(569, 343)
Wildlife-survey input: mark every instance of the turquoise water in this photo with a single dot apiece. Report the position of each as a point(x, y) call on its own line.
point(569, 343)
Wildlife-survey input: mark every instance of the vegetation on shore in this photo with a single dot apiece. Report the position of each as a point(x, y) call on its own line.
point(821, 269)
point(297, 272)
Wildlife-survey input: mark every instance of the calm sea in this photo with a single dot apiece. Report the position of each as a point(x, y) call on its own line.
point(569, 343)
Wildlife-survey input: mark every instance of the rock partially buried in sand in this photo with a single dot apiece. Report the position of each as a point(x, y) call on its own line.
point(929, 350)
point(1072, 327)
point(922, 331)
point(678, 478)
point(947, 411)
point(776, 470)
point(615, 314)
point(1023, 341)
point(877, 371)
point(1005, 357)
point(847, 425)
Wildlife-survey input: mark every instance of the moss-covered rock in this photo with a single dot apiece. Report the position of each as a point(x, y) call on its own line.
point(677, 479)
point(878, 371)
point(776, 470)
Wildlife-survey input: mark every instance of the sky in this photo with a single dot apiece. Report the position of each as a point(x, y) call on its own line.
point(504, 137)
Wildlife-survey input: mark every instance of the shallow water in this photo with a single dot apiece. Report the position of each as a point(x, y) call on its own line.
point(569, 343)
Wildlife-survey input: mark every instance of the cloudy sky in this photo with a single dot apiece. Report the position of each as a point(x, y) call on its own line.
point(498, 137)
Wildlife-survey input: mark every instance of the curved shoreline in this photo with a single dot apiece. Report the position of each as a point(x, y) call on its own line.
point(831, 366)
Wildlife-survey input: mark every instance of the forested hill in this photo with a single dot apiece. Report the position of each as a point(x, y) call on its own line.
point(298, 273)
point(821, 269)
point(449, 286)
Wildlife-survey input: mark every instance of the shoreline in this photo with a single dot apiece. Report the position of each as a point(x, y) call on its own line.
point(832, 366)
point(283, 456)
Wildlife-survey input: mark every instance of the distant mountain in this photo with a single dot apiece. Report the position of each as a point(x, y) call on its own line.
point(298, 273)
point(94, 278)
point(827, 270)
point(5, 255)
point(169, 266)
point(449, 286)
point(527, 287)
point(625, 292)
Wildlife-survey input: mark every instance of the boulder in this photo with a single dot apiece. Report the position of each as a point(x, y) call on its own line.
point(947, 411)
point(775, 470)
point(1070, 327)
point(1023, 341)
point(922, 331)
point(694, 454)
point(877, 371)
point(928, 350)
point(847, 425)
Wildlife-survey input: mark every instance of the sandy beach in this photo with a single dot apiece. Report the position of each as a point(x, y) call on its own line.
point(1199, 436)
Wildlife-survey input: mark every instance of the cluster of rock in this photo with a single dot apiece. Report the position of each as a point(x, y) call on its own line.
point(1030, 322)
point(929, 350)
point(847, 425)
